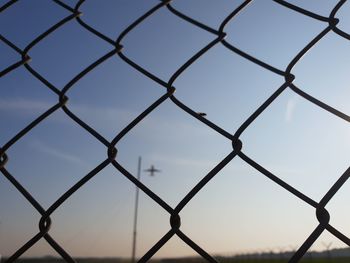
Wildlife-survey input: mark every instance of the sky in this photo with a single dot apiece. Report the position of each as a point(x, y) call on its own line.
point(239, 210)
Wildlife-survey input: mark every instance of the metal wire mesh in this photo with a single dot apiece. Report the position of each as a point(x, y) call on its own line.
point(322, 214)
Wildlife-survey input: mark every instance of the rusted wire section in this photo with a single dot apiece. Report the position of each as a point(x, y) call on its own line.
point(74, 16)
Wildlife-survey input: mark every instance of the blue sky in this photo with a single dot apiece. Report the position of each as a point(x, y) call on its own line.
point(240, 210)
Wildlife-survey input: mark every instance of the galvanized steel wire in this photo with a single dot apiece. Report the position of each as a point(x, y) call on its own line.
point(24, 59)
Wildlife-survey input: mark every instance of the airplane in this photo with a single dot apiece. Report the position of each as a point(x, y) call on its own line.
point(152, 170)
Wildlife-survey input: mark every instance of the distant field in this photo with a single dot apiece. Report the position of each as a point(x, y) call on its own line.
point(339, 260)
point(189, 260)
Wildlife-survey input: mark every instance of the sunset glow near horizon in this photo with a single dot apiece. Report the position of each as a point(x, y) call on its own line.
point(239, 210)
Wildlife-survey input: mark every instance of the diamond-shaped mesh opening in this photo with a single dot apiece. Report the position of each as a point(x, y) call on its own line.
point(98, 224)
point(111, 107)
point(154, 135)
point(295, 126)
point(315, 78)
point(60, 144)
point(239, 94)
point(62, 46)
point(157, 51)
point(246, 202)
point(249, 35)
point(29, 20)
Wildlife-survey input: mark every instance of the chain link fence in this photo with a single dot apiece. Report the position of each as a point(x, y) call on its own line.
point(330, 25)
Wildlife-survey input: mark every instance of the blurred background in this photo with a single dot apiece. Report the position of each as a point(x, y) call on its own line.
point(240, 211)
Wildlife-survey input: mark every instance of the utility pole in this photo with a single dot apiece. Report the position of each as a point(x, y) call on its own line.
point(136, 211)
point(151, 170)
point(328, 249)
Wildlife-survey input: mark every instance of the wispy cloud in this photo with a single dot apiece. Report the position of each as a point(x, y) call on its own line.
point(104, 117)
point(103, 114)
point(46, 149)
point(23, 105)
point(290, 109)
point(29, 105)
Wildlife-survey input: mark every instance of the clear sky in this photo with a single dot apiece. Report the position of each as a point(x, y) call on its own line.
point(240, 210)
